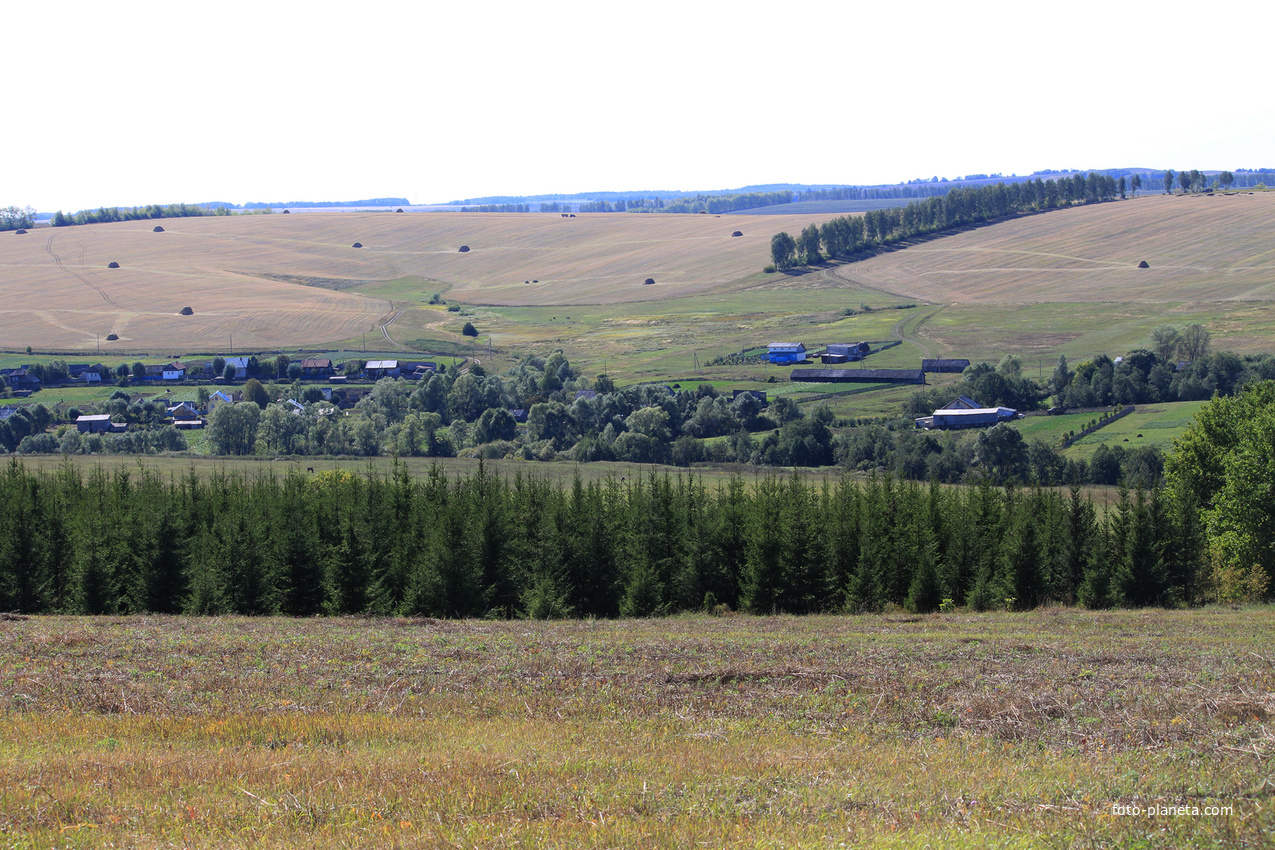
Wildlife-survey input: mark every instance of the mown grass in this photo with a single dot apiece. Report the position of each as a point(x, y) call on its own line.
point(957, 729)
point(1150, 425)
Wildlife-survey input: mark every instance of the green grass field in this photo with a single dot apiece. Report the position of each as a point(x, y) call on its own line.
point(954, 730)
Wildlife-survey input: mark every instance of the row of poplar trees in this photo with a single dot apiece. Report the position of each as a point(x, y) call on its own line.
point(482, 544)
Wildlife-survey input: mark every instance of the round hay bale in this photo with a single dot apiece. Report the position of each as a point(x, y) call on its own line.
point(357, 245)
point(1144, 265)
point(287, 212)
point(464, 249)
point(648, 281)
point(526, 281)
point(112, 337)
point(19, 232)
point(186, 311)
point(112, 265)
point(157, 229)
point(535, 281)
point(737, 233)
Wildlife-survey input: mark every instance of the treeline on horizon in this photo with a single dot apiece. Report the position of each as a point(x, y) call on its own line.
point(156, 211)
point(480, 545)
point(848, 236)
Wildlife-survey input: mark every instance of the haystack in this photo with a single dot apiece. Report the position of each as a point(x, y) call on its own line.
point(186, 311)
point(19, 232)
point(648, 281)
point(158, 229)
point(399, 210)
point(112, 337)
point(287, 212)
point(737, 233)
point(112, 265)
point(464, 249)
point(1144, 265)
point(357, 245)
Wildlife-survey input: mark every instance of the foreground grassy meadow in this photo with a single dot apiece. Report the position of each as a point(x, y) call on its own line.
point(1011, 730)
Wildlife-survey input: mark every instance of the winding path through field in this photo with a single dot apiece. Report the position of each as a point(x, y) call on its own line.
point(900, 329)
point(385, 329)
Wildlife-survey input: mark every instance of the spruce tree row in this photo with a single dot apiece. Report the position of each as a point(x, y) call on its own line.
point(480, 545)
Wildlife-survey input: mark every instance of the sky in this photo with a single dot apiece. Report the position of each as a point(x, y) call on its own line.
point(129, 103)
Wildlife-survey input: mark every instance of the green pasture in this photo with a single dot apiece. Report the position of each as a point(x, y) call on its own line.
point(1149, 425)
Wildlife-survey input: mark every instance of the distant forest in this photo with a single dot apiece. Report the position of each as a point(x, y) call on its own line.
point(154, 211)
point(758, 197)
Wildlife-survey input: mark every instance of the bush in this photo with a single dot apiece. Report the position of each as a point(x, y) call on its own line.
point(469, 329)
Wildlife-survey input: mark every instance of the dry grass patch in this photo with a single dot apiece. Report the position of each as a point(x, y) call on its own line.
point(955, 729)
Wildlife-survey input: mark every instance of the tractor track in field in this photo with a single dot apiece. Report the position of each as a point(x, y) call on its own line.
point(385, 330)
point(48, 249)
point(900, 328)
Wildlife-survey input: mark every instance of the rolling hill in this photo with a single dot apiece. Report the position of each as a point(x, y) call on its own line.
point(1061, 282)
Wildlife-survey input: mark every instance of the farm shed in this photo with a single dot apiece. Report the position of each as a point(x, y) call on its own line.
point(316, 367)
point(978, 417)
point(944, 365)
point(835, 358)
point(961, 402)
point(860, 376)
point(852, 350)
point(96, 424)
point(415, 370)
point(786, 352)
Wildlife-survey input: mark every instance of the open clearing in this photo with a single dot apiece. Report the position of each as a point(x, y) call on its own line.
point(956, 729)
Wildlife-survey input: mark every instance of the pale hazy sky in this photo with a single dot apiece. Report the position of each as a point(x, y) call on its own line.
point(124, 103)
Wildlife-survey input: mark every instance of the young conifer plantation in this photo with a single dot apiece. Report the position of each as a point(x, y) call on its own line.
point(480, 545)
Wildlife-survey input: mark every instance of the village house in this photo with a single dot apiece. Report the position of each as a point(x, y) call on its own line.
point(316, 367)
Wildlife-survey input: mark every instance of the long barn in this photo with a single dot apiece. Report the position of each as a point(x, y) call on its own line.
point(860, 376)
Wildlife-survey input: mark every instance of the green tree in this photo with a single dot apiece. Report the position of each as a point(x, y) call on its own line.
point(1166, 339)
point(783, 250)
point(1226, 178)
point(254, 392)
point(809, 244)
point(1168, 181)
point(1195, 341)
point(232, 428)
point(469, 329)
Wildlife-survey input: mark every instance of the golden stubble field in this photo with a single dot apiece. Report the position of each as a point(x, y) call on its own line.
point(1061, 281)
point(1200, 248)
point(276, 281)
point(1054, 728)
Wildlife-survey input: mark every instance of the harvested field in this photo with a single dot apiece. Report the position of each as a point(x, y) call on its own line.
point(952, 730)
point(1205, 248)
